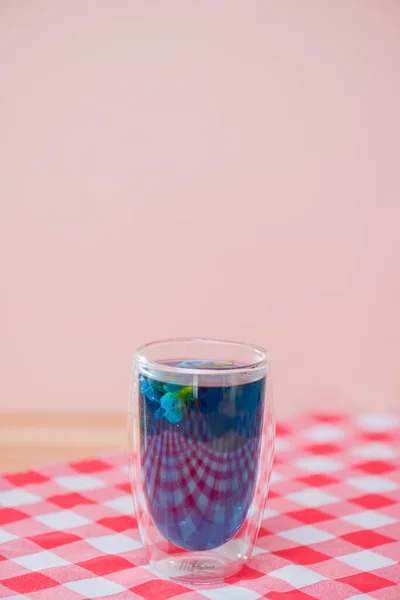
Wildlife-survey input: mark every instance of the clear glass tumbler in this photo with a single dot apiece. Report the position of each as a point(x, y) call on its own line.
point(202, 433)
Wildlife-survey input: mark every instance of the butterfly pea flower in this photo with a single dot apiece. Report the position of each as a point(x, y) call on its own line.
point(166, 400)
point(174, 407)
point(185, 393)
point(154, 394)
point(149, 390)
point(159, 413)
point(172, 387)
point(159, 385)
point(143, 384)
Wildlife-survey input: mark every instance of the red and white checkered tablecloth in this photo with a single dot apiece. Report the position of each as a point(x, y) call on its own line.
point(331, 529)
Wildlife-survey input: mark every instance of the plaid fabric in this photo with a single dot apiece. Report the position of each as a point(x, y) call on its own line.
point(331, 530)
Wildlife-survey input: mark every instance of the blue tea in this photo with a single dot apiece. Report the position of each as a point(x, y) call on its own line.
point(200, 447)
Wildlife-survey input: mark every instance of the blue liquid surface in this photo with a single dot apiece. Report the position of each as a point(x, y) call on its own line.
point(199, 454)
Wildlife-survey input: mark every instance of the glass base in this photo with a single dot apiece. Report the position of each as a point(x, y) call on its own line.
point(197, 567)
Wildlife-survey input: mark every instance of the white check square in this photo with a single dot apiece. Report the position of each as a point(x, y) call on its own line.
point(17, 497)
point(297, 576)
point(257, 550)
point(40, 561)
point(361, 597)
point(79, 483)
point(269, 513)
point(5, 536)
point(276, 477)
point(319, 464)
point(373, 484)
point(282, 445)
point(115, 543)
point(62, 520)
point(378, 422)
point(306, 535)
point(369, 519)
point(375, 451)
point(122, 504)
point(366, 560)
point(312, 497)
point(96, 587)
point(325, 433)
point(233, 592)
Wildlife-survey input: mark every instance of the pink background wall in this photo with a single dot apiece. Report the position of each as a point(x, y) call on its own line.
point(226, 169)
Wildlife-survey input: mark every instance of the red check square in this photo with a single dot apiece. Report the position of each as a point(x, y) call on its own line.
point(10, 515)
point(328, 417)
point(375, 467)
point(106, 564)
point(69, 500)
point(125, 487)
point(159, 589)
point(118, 523)
point(282, 429)
point(246, 573)
point(302, 555)
point(367, 538)
point(373, 501)
point(292, 595)
point(263, 532)
point(90, 466)
point(310, 515)
point(318, 480)
point(377, 436)
point(322, 448)
point(366, 582)
point(31, 582)
point(53, 539)
point(26, 478)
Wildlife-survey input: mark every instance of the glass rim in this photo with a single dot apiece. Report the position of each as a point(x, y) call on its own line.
point(160, 367)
